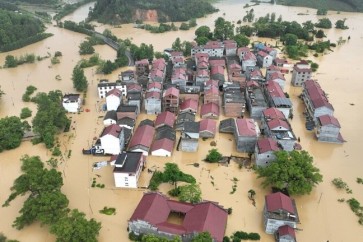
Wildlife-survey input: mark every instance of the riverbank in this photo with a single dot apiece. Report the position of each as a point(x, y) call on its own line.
point(338, 75)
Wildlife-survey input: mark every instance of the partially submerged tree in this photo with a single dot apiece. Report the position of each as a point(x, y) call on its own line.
point(293, 171)
point(173, 174)
point(213, 156)
point(202, 237)
point(80, 82)
point(190, 193)
point(11, 133)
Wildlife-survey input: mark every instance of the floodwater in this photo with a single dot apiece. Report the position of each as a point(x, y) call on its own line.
point(319, 212)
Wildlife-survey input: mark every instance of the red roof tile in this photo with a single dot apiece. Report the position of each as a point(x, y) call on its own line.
point(134, 86)
point(211, 83)
point(329, 120)
point(274, 89)
point(317, 95)
point(202, 73)
point(276, 75)
point(246, 127)
point(243, 49)
point(286, 230)
point(165, 144)
point(171, 91)
point(176, 53)
point(115, 92)
point(202, 55)
point(211, 91)
point(262, 53)
point(209, 125)
point(219, 62)
point(249, 56)
point(143, 136)
point(167, 118)
point(157, 85)
point(273, 113)
point(274, 123)
point(266, 145)
point(217, 70)
point(142, 62)
point(113, 130)
point(153, 94)
point(209, 108)
point(189, 104)
point(277, 201)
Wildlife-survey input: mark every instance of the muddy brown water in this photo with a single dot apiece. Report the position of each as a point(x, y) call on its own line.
point(322, 216)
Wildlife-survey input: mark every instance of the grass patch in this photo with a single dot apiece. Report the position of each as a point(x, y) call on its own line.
point(108, 211)
point(341, 185)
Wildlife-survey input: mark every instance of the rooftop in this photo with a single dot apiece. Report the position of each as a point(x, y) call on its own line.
point(267, 144)
point(128, 162)
point(245, 127)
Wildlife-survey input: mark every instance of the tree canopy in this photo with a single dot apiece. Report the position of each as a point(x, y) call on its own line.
point(50, 118)
point(80, 82)
point(203, 237)
point(11, 133)
point(223, 29)
point(293, 171)
point(124, 11)
point(190, 193)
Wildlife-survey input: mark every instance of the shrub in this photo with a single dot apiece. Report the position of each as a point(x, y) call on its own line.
point(174, 192)
point(56, 151)
point(108, 211)
point(213, 156)
point(25, 113)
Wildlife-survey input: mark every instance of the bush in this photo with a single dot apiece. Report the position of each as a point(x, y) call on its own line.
point(108, 211)
point(213, 156)
point(56, 151)
point(156, 180)
point(25, 113)
point(174, 192)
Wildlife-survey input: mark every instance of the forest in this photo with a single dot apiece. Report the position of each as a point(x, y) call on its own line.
point(123, 11)
point(337, 5)
point(18, 30)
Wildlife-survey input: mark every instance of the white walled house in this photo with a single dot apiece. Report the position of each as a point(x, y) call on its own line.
point(264, 151)
point(72, 103)
point(112, 139)
point(113, 99)
point(110, 118)
point(162, 147)
point(104, 87)
point(128, 167)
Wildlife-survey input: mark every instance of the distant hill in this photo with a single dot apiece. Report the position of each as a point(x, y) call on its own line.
point(336, 5)
point(127, 11)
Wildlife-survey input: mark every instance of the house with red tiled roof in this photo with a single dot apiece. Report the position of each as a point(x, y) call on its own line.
point(110, 118)
point(242, 51)
point(142, 139)
point(171, 100)
point(285, 234)
point(112, 139)
point(275, 125)
point(201, 77)
point(230, 47)
point(211, 95)
point(271, 51)
point(156, 75)
point(301, 73)
point(162, 147)
point(207, 128)
point(234, 69)
point(165, 119)
point(154, 86)
point(154, 209)
point(217, 62)
point(133, 88)
point(264, 152)
point(316, 100)
point(249, 60)
point(254, 74)
point(246, 132)
point(209, 110)
point(272, 69)
point(277, 77)
point(179, 77)
point(276, 98)
point(217, 73)
point(264, 59)
point(113, 99)
point(128, 167)
point(328, 129)
point(279, 210)
point(189, 106)
point(152, 102)
point(280, 62)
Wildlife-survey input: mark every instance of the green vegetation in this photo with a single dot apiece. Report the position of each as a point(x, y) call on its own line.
point(1, 92)
point(322, 11)
point(123, 11)
point(340, 184)
point(48, 205)
point(25, 113)
point(234, 186)
point(171, 174)
point(108, 211)
point(18, 30)
point(203, 237)
point(50, 118)
point(52, 163)
point(359, 180)
point(94, 60)
point(223, 29)
point(143, 51)
point(86, 48)
point(29, 91)
point(80, 82)
point(95, 184)
point(250, 16)
point(162, 28)
point(151, 238)
point(190, 193)
point(324, 23)
point(337, 5)
point(11, 133)
point(241, 235)
point(56, 151)
point(340, 24)
point(356, 208)
point(3, 238)
point(81, 27)
point(11, 61)
point(213, 156)
point(293, 171)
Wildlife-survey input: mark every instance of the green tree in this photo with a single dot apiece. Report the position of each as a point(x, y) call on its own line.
point(184, 26)
point(308, 26)
point(154, 238)
point(76, 228)
point(177, 45)
point(173, 174)
point(250, 16)
point(86, 48)
point(213, 156)
point(223, 29)
point(245, 30)
point(324, 23)
point(25, 113)
point(190, 193)
point(291, 170)
point(320, 34)
point(322, 11)
point(241, 40)
point(340, 24)
point(50, 118)
point(187, 47)
point(203, 31)
point(290, 39)
point(201, 40)
point(11, 133)
point(10, 61)
point(80, 82)
point(1, 92)
point(203, 237)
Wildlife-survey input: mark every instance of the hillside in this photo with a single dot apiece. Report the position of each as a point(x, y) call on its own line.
point(337, 5)
point(126, 11)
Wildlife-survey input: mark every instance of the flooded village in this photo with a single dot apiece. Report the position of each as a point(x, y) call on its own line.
point(200, 108)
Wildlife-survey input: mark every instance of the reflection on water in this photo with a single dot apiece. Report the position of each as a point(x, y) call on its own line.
point(338, 75)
